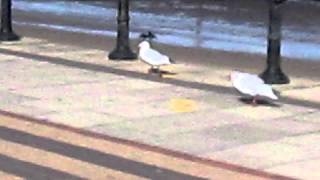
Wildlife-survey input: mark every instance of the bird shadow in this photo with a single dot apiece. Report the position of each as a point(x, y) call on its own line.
point(263, 102)
point(160, 73)
point(164, 72)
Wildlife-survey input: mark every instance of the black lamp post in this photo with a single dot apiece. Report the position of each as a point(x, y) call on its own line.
point(6, 32)
point(273, 73)
point(122, 50)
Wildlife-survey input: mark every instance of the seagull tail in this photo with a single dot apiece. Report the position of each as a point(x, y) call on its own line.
point(172, 61)
point(267, 91)
point(274, 97)
point(275, 94)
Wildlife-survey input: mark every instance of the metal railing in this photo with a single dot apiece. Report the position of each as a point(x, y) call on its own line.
point(273, 73)
point(6, 32)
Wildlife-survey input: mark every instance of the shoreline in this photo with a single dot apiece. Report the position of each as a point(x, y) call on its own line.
point(245, 61)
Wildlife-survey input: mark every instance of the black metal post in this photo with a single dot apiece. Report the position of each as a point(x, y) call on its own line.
point(122, 50)
point(273, 73)
point(6, 32)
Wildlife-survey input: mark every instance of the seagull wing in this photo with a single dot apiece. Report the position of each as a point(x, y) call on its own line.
point(245, 86)
point(253, 78)
point(154, 57)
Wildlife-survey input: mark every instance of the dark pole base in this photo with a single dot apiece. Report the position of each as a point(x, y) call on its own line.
point(122, 54)
point(274, 77)
point(9, 36)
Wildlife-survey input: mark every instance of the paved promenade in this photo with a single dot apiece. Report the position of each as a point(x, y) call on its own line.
point(194, 111)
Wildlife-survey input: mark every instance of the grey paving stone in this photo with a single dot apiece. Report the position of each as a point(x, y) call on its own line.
point(81, 118)
point(265, 155)
point(245, 133)
point(27, 110)
point(312, 117)
point(221, 101)
point(123, 129)
point(190, 142)
point(306, 169)
point(288, 125)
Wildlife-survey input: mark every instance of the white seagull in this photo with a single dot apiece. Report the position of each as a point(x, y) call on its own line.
point(152, 57)
point(252, 85)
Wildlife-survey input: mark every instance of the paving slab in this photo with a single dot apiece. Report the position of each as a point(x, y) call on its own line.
point(265, 155)
point(261, 112)
point(306, 169)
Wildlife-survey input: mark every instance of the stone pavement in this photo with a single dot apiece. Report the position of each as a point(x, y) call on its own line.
point(33, 149)
point(195, 111)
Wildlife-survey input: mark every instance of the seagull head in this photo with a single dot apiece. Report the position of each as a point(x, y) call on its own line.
point(144, 44)
point(149, 35)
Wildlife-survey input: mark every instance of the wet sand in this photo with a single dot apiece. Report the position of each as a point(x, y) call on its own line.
point(229, 25)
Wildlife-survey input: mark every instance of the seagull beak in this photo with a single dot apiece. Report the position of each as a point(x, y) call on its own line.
point(228, 77)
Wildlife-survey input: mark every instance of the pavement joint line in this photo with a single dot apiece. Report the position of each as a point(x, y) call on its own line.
point(305, 133)
point(64, 84)
point(139, 75)
point(152, 148)
point(298, 114)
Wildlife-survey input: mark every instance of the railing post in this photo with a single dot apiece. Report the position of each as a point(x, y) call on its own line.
point(273, 73)
point(122, 50)
point(6, 32)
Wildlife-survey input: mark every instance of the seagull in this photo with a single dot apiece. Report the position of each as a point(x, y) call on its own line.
point(152, 57)
point(252, 85)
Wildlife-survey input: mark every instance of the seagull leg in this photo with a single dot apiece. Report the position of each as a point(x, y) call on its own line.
point(152, 70)
point(155, 70)
point(254, 101)
point(158, 71)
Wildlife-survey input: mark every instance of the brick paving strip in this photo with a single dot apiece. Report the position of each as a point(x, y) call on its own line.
point(36, 149)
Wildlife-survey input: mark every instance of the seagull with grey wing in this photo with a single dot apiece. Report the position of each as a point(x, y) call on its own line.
point(152, 57)
point(253, 86)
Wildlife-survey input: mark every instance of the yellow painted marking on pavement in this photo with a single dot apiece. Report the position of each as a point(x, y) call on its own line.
point(181, 105)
